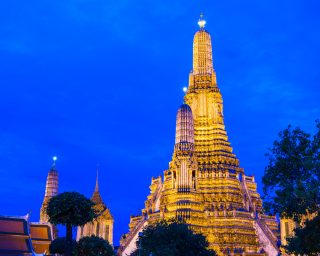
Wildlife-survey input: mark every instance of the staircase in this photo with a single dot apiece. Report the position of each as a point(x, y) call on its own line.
point(266, 237)
point(157, 196)
point(129, 244)
point(245, 190)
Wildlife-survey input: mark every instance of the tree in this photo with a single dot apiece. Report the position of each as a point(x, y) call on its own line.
point(292, 177)
point(70, 209)
point(306, 240)
point(93, 246)
point(292, 185)
point(58, 245)
point(171, 238)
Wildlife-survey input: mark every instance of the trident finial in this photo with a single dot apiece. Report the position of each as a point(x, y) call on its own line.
point(201, 21)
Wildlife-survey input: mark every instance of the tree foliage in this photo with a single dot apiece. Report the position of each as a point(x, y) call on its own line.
point(58, 245)
point(171, 238)
point(292, 177)
point(292, 186)
point(70, 209)
point(306, 240)
point(93, 246)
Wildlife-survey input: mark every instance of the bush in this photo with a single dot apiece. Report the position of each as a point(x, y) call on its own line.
point(93, 246)
point(58, 245)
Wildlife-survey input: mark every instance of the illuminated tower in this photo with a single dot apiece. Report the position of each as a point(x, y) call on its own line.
point(102, 225)
point(204, 184)
point(52, 185)
point(184, 167)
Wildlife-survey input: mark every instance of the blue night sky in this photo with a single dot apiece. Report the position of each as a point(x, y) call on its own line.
point(95, 81)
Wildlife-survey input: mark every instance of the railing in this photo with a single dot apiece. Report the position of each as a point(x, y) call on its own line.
point(131, 235)
point(244, 187)
point(157, 194)
point(271, 233)
point(141, 223)
point(268, 233)
point(265, 229)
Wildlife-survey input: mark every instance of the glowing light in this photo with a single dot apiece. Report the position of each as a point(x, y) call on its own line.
point(54, 158)
point(201, 21)
point(185, 89)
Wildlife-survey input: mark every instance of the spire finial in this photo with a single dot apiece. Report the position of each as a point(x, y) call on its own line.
point(97, 181)
point(201, 21)
point(54, 158)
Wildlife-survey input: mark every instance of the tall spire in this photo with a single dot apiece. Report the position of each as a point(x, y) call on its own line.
point(202, 51)
point(52, 181)
point(205, 100)
point(97, 181)
point(52, 185)
point(96, 197)
point(184, 125)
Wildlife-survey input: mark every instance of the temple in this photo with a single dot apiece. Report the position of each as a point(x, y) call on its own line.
point(52, 185)
point(101, 226)
point(205, 185)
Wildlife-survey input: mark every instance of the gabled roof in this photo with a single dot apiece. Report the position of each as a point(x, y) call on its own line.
point(14, 236)
point(100, 207)
point(41, 236)
point(19, 237)
point(97, 199)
